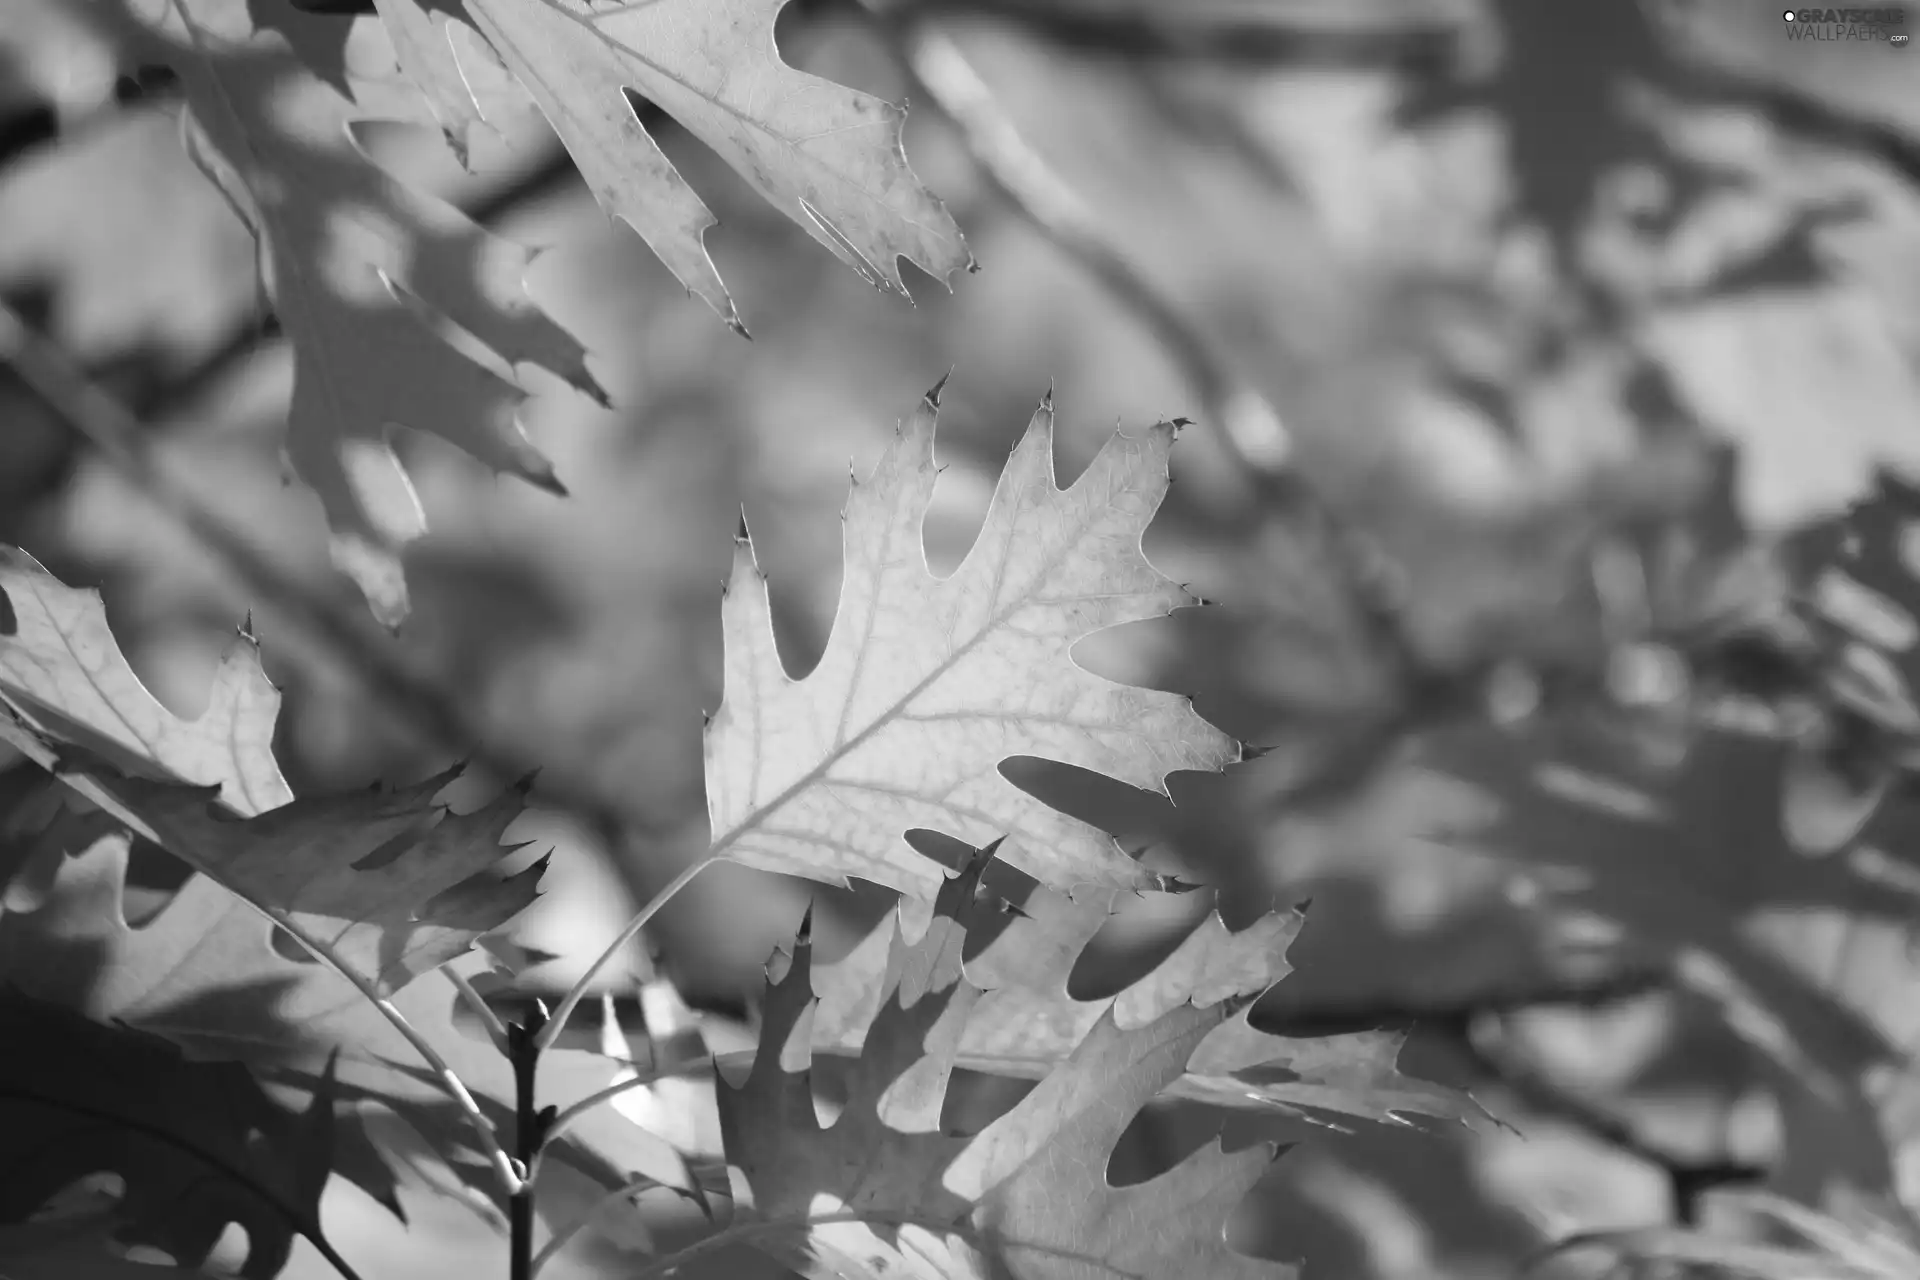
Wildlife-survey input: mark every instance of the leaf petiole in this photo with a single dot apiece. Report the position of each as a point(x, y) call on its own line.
point(578, 992)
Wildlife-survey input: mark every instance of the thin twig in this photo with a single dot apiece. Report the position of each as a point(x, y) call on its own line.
point(571, 1001)
point(1689, 1177)
point(530, 1122)
point(496, 1029)
point(101, 419)
point(566, 1119)
point(47, 758)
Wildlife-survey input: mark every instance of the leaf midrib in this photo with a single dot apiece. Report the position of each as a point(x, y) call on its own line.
point(720, 845)
point(626, 52)
point(309, 1228)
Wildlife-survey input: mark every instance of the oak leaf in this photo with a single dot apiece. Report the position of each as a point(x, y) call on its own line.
point(828, 157)
point(392, 885)
point(203, 973)
point(1027, 1021)
point(365, 875)
point(362, 271)
point(883, 1192)
point(928, 684)
point(197, 1145)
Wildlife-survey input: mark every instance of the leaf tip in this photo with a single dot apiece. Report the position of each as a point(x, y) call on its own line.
point(593, 388)
point(958, 892)
point(933, 393)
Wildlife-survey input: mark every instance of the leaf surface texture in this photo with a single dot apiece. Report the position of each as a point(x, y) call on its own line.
point(827, 156)
point(928, 684)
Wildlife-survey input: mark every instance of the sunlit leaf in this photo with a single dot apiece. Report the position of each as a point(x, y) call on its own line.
point(928, 684)
point(827, 156)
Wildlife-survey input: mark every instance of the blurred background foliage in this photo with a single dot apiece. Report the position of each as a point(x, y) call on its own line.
point(1528, 283)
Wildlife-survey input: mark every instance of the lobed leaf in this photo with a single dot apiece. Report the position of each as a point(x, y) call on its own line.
point(828, 157)
point(882, 1192)
point(388, 882)
point(63, 680)
point(928, 684)
point(361, 270)
point(197, 1145)
point(392, 885)
point(204, 974)
point(1027, 1022)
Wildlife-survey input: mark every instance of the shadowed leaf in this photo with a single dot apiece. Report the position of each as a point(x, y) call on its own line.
point(197, 1145)
point(1026, 1023)
point(362, 271)
point(882, 1192)
point(391, 883)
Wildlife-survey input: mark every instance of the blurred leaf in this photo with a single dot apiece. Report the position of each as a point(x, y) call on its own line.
point(365, 274)
point(1718, 1256)
point(826, 156)
point(883, 1192)
point(1773, 846)
point(170, 273)
point(393, 885)
point(929, 684)
point(1811, 433)
point(51, 51)
point(1859, 1240)
point(1026, 1023)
